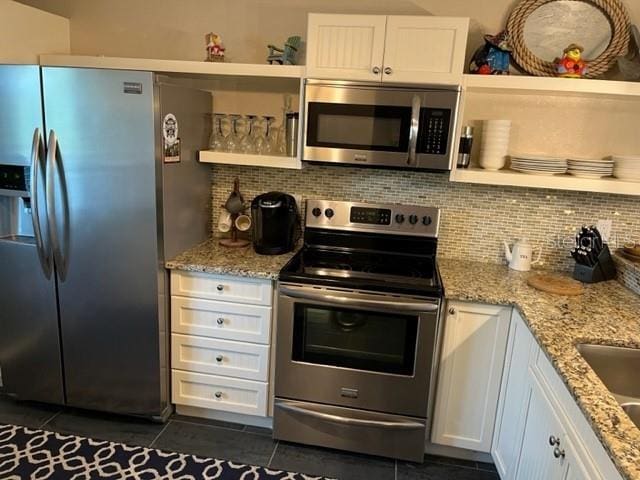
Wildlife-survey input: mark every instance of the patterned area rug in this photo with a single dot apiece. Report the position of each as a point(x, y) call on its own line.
point(40, 455)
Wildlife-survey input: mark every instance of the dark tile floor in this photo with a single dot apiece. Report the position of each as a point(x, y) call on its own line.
point(238, 443)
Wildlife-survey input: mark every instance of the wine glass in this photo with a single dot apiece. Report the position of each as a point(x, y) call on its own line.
point(247, 144)
point(217, 137)
point(234, 139)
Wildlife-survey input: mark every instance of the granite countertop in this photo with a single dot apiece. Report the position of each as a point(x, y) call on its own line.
point(211, 257)
point(607, 313)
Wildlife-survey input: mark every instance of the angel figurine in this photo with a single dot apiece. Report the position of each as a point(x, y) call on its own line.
point(215, 48)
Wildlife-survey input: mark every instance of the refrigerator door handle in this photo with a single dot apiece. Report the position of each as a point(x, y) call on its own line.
point(56, 175)
point(37, 155)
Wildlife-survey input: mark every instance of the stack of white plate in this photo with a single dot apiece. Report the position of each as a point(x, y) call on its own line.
point(590, 168)
point(627, 167)
point(538, 165)
point(495, 143)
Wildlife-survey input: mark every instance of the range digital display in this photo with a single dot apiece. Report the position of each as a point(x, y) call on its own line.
point(370, 216)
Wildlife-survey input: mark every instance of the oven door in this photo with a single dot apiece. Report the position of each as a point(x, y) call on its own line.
point(358, 350)
point(355, 124)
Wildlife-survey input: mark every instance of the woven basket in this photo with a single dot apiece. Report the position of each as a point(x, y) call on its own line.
point(613, 9)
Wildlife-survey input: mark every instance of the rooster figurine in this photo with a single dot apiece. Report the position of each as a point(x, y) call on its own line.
point(571, 65)
point(493, 57)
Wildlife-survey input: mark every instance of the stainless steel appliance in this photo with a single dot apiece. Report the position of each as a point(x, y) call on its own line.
point(83, 289)
point(379, 125)
point(275, 223)
point(358, 325)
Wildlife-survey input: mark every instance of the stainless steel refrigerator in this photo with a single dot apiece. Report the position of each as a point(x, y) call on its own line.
point(88, 213)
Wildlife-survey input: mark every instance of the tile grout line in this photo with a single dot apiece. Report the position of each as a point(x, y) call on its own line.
point(161, 432)
point(50, 419)
point(273, 454)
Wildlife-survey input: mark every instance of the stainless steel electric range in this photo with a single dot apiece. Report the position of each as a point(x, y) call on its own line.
point(358, 329)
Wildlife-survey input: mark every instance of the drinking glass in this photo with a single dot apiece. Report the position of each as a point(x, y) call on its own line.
point(247, 144)
point(217, 137)
point(234, 139)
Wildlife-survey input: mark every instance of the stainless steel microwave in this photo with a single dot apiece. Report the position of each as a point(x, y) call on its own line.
point(383, 126)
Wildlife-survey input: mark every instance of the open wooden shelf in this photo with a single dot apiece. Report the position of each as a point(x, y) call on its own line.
point(175, 66)
point(277, 161)
point(555, 182)
point(549, 85)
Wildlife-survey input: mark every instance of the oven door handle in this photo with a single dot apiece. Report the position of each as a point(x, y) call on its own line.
point(405, 304)
point(416, 104)
point(358, 422)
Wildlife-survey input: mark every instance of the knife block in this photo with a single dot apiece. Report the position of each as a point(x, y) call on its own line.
point(603, 270)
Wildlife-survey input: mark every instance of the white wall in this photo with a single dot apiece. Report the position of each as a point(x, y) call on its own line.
point(175, 29)
point(26, 32)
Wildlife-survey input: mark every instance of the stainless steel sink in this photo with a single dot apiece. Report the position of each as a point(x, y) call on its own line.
point(618, 369)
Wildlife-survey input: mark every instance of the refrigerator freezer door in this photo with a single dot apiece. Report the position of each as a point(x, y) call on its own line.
point(104, 208)
point(20, 112)
point(29, 341)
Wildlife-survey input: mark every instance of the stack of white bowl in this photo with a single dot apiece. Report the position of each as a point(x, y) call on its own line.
point(627, 167)
point(494, 146)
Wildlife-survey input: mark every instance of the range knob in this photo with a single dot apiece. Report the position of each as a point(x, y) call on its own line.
point(399, 218)
point(413, 219)
point(329, 212)
point(316, 212)
point(426, 220)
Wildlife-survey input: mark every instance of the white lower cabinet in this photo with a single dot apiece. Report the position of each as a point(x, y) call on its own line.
point(473, 351)
point(220, 343)
point(540, 433)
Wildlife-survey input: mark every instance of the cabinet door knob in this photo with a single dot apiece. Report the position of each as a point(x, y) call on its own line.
point(218, 395)
point(220, 288)
point(219, 358)
point(558, 452)
point(388, 70)
point(220, 321)
point(452, 311)
point(553, 440)
point(376, 70)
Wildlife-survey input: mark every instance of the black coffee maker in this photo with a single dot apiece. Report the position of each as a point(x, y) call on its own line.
point(275, 223)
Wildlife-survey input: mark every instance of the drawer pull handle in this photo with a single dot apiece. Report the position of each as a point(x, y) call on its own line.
point(218, 395)
point(220, 321)
point(557, 452)
point(452, 311)
point(376, 70)
point(220, 288)
point(219, 358)
point(388, 71)
point(554, 440)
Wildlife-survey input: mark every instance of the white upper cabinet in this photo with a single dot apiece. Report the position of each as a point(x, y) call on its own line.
point(425, 49)
point(473, 352)
point(346, 47)
point(400, 49)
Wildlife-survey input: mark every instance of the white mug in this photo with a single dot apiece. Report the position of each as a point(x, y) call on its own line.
point(224, 222)
point(243, 223)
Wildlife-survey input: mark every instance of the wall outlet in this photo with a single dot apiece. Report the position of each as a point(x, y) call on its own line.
point(604, 227)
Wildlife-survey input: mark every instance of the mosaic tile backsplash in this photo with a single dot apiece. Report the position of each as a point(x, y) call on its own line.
point(475, 218)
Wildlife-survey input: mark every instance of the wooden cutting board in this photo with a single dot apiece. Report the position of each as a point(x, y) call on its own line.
point(557, 284)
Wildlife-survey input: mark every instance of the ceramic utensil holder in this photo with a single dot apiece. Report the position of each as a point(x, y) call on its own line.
point(603, 270)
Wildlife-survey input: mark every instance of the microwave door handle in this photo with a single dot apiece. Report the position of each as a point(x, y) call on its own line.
point(413, 129)
point(404, 304)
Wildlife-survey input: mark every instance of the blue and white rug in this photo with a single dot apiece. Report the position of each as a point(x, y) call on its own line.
point(39, 455)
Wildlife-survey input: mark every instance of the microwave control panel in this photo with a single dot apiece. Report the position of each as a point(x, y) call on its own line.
point(433, 133)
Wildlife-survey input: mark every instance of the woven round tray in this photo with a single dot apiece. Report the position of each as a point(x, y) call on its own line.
point(556, 284)
point(614, 11)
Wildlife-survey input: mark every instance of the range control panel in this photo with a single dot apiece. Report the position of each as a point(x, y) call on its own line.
point(375, 218)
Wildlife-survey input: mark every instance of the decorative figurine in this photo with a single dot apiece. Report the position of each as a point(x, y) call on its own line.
point(493, 57)
point(571, 64)
point(630, 65)
point(215, 49)
point(285, 55)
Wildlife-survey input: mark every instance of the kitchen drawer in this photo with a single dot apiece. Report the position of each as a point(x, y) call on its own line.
point(224, 288)
point(226, 321)
point(220, 357)
point(219, 393)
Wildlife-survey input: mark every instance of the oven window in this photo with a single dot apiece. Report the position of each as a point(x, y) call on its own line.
point(358, 127)
point(374, 341)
